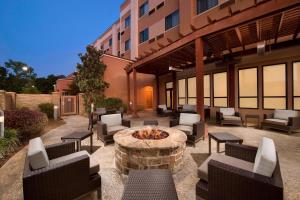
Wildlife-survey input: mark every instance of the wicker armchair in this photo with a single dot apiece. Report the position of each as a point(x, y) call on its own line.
point(68, 179)
point(163, 111)
point(109, 125)
point(191, 125)
point(228, 182)
point(228, 116)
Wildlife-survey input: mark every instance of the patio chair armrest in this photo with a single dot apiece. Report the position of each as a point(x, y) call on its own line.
point(294, 122)
point(237, 114)
point(101, 128)
point(231, 182)
point(67, 180)
point(60, 149)
point(126, 123)
point(159, 111)
point(199, 128)
point(219, 116)
point(268, 116)
point(174, 122)
point(243, 152)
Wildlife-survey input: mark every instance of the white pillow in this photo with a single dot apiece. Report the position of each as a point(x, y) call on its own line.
point(37, 155)
point(164, 107)
point(227, 111)
point(112, 120)
point(188, 119)
point(265, 160)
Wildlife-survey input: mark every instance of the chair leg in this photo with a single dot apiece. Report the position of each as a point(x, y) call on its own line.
point(99, 193)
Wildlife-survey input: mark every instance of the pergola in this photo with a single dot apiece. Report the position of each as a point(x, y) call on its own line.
point(276, 22)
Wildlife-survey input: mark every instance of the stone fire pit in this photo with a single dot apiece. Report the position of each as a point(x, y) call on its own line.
point(134, 153)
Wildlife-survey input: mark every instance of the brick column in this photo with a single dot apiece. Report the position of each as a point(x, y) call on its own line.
point(200, 76)
point(134, 114)
point(2, 99)
point(157, 90)
point(231, 86)
point(128, 93)
point(174, 77)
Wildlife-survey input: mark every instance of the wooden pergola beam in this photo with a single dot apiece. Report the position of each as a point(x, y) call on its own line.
point(278, 27)
point(239, 35)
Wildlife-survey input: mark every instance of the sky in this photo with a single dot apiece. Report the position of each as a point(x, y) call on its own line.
point(49, 34)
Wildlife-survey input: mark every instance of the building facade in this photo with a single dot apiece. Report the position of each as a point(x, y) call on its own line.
point(215, 53)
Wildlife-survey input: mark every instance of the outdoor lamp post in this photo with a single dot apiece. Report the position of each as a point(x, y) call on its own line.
point(92, 107)
point(1, 124)
point(55, 113)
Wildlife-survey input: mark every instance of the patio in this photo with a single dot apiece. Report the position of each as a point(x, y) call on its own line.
point(185, 180)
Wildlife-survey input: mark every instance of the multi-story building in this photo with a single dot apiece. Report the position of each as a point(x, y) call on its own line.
point(218, 53)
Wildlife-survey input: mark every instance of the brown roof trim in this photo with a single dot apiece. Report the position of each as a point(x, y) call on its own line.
point(124, 59)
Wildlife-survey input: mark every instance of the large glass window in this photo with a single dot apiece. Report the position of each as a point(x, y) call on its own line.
point(220, 89)
point(274, 86)
point(204, 5)
point(144, 35)
point(207, 90)
point(172, 20)
point(127, 45)
point(110, 42)
point(181, 92)
point(192, 96)
point(248, 94)
point(296, 85)
point(144, 9)
point(127, 22)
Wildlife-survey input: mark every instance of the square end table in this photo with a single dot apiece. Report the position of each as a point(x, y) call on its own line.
point(222, 137)
point(78, 136)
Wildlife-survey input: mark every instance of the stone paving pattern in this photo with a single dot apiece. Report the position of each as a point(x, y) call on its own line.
point(288, 147)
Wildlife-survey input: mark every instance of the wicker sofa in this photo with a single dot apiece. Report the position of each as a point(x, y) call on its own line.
point(163, 111)
point(191, 125)
point(109, 125)
point(285, 120)
point(244, 172)
point(58, 172)
point(228, 116)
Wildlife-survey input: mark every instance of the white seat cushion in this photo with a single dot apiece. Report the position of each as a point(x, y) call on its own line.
point(203, 169)
point(186, 129)
point(114, 129)
point(277, 121)
point(285, 114)
point(112, 120)
point(94, 165)
point(265, 160)
point(164, 107)
point(188, 119)
point(37, 154)
point(227, 111)
point(232, 118)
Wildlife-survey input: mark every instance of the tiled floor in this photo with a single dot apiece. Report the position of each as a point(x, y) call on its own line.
point(288, 147)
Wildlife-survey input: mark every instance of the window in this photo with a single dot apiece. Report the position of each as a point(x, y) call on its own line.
point(127, 45)
point(127, 22)
point(102, 46)
point(220, 89)
point(192, 96)
point(181, 92)
point(110, 42)
point(119, 36)
point(204, 5)
point(296, 85)
point(274, 86)
point(207, 90)
point(248, 93)
point(144, 35)
point(172, 20)
point(160, 5)
point(144, 9)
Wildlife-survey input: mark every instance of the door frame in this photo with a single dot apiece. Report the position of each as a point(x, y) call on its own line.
point(75, 104)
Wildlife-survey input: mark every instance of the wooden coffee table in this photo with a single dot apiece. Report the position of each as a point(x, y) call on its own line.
point(222, 137)
point(78, 136)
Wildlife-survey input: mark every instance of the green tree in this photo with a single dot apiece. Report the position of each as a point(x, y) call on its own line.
point(90, 76)
point(3, 77)
point(45, 84)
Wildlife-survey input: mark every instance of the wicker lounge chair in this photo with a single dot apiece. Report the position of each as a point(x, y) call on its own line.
point(244, 172)
point(109, 125)
point(58, 172)
point(163, 111)
point(228, 116)
point(191, 124)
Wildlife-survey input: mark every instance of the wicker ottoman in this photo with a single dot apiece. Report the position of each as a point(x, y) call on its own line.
point(150, 184)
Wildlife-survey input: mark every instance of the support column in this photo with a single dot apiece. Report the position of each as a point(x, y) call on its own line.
point(134, 114)
point(128, 93)
point(200, 76)
point(157, 90)
point(231, 85)
point(174, 103)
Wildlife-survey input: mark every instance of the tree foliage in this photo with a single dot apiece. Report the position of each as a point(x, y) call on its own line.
point(90, 75)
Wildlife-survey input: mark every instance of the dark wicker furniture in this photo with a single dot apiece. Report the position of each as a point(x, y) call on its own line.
point(78, 136)
point(234, 119)
point(150, 185)
point(222, 137)
point(68, 180)
point(162, 111)
point(232, 183)
point(151, 123)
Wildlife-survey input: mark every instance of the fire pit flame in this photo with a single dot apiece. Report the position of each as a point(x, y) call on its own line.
point(149, 133)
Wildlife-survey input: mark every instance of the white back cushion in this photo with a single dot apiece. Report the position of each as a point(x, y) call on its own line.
point(189, 107)
point(227, 111)
point(164, 107)
point(188, 119)
point(112, 120)
point(37, 155)
point(285, 114)
point(265, 160)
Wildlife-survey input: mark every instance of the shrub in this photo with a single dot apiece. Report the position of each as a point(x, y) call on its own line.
point(47, 108)
point(9, 143)
point(28, 123)
point(113, 103)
